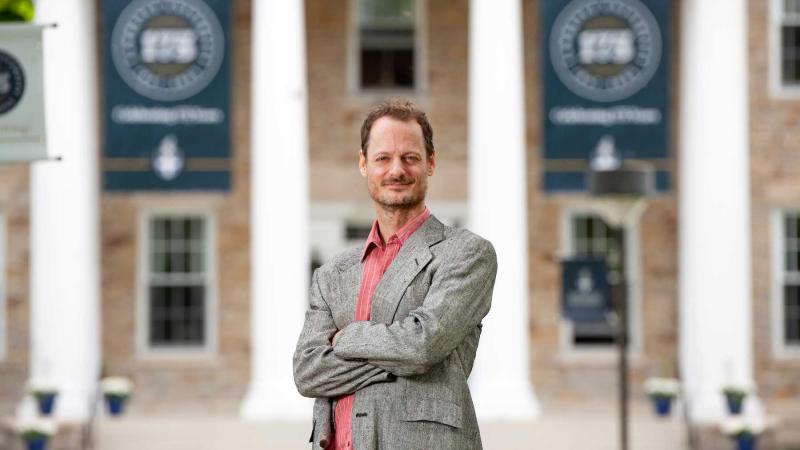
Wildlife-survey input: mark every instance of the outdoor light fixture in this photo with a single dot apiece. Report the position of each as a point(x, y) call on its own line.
point(621, 188)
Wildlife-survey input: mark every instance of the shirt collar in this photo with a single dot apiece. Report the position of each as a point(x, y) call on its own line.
point(402, 235)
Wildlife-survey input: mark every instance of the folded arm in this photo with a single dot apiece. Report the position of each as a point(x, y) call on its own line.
point(459, 297)
point(318, 372)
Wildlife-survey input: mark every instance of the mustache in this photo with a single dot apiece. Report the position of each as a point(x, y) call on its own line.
point(402, 180)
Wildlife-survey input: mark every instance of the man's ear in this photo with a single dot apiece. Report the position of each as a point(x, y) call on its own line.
point(432, 163)
point(362, 163)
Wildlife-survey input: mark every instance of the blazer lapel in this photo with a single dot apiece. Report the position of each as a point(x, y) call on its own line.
point(412, 258)
point(343, 307)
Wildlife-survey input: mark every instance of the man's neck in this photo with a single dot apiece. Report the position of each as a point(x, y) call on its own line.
point(391, 220)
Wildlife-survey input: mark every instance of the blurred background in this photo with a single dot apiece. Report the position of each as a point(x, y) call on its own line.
point(172, 171)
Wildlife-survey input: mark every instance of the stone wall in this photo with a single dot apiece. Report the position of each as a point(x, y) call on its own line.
point(774, 185)
point(15, 210)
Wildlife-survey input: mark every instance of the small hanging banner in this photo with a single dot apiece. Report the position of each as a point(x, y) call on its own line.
point(167, 95)
point(22, 125)
point(585, 293)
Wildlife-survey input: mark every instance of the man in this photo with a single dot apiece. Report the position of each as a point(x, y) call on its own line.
point(392, 328)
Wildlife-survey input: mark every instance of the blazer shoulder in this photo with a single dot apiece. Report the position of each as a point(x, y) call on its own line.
point(461, 239)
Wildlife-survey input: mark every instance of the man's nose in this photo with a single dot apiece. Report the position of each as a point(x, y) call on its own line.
point(396, 168)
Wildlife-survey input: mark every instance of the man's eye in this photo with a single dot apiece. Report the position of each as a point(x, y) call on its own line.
point(412, 158)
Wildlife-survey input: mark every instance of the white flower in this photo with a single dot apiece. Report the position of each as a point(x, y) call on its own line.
point(669, 387)
point(116, 386)
point(36, 425)
point(741, 389)
point(736, 425)
point(40, 385)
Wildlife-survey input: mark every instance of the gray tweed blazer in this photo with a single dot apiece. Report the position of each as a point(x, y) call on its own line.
point(409, 364)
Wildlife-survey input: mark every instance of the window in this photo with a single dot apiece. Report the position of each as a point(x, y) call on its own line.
point(785, 47)
point(387, 51)
point(789, 281)
point(178, 284)
point(591, 237)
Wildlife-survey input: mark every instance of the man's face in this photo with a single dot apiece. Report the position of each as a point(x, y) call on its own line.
point(395, 166)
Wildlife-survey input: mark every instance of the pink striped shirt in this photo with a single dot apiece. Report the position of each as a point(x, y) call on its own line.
point(376, 258)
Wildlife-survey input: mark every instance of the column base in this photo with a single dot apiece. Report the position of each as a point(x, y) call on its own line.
point(275, 401)
point(509, 400)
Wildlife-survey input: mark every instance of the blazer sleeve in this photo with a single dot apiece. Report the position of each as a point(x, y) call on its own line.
point(318, 372)
point(458, 299)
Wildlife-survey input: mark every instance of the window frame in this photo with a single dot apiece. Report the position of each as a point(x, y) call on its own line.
point(420, 55)
point(210, 346)
point(781, 349)
point(568, 350)
point(777, 88)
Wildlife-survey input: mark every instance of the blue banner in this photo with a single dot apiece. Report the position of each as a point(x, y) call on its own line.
point(167, 95)
point(606, 87)
point(586, 295)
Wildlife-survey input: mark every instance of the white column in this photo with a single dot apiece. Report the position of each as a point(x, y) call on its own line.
point(280, 259)
point(64, 212)
point(501, 386)
point(714, 211)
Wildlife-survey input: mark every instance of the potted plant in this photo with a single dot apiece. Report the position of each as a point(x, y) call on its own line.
point(16, 11)
point(744, 430)
point(45, 393)
point(661, 392)
point(36, 432)
point(734, 397)
point(116, 391)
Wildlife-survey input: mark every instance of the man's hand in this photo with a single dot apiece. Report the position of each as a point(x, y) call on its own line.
point(335, 336)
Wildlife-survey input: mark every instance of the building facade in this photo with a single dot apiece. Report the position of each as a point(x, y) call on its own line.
point(179, 301)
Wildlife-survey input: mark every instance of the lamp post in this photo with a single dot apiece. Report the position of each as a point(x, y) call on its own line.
point(622, 188)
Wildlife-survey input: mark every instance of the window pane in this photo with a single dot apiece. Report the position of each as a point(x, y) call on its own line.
point(158, 327)
point(403, 68)
point(792, 314)
point(387, 39)
point(791, 6)
point(197, 262)
point(157, 230)
point(158, 262)
point(197, 230)
point(790, 38)
point(177, 261)
point(372, 68)
point(378, 13)
point(177, 315)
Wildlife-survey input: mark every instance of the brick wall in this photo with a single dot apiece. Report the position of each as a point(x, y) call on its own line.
point(15, 206)
point(774, 172)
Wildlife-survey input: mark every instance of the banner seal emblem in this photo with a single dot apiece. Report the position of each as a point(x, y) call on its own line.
point(606, 50)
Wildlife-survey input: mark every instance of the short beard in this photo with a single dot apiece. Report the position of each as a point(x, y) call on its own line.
point(405, 203)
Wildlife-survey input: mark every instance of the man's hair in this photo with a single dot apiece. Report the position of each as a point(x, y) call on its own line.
point(403, 110)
